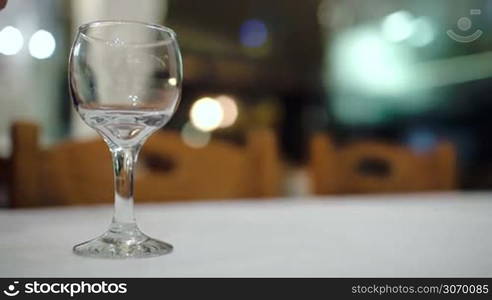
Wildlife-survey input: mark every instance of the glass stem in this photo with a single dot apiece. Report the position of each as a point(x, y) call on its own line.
point(124, 160)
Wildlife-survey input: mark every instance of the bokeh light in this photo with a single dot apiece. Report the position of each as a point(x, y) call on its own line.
point(193, 137)
point(421, 140)
point(42, 44)
point(424, 32)
point(11, 41)
point(172, 81)
point(206, 114)
point(253, 33)
point(230, 111)
point(385, 73)
point(398, 26)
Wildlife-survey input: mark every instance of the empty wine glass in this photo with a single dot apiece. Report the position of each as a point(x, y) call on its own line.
point(125, 82)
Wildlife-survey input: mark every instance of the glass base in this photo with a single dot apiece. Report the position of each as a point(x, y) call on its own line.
point(123, 241)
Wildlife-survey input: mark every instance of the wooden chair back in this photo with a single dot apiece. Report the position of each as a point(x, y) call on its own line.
point(371, 167)
point(80, 172)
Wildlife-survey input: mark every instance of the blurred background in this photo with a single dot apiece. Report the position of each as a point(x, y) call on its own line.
point(411, 74)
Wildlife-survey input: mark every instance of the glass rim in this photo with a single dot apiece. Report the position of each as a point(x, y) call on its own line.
point(82, 28)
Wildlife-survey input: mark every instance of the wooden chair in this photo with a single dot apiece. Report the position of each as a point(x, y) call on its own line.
point(370, 167)
point(80, 172)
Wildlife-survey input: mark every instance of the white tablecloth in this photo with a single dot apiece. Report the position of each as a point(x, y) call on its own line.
point(413, 235)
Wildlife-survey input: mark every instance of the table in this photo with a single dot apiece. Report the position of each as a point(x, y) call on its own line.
point(349, 236)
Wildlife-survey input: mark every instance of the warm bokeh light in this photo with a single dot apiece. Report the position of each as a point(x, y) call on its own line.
point(206, 114)
point(230, 110)
point(172, 81)
point(193, 137)
point(42, 44)
point(11, 41)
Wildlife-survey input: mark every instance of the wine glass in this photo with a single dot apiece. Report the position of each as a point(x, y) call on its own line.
point(125, 82)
